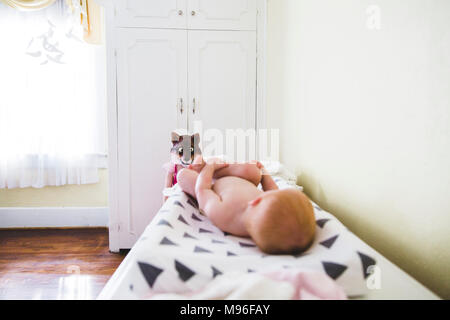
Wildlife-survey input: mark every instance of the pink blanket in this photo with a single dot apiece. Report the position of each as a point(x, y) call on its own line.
point(309, 285)
point(286, 284)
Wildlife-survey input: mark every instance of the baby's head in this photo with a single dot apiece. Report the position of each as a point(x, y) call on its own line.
point(281, 221)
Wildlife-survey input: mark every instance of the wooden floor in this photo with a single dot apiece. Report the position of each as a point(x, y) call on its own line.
point(55, 264)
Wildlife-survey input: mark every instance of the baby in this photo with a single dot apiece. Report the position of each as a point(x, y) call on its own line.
point(279, 221)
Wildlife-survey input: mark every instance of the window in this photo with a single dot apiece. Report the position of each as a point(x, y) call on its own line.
point(52, 99)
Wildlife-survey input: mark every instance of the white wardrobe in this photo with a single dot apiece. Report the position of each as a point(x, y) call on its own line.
point(172, 63)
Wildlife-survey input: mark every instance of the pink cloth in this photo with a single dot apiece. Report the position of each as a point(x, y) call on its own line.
point(278, 284)
point(174, 177)
point(309, 285)
point(173, 169)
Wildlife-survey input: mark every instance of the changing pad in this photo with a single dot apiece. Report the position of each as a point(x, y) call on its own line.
point(181, 251)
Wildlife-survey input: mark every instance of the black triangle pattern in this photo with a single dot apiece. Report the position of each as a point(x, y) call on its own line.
point(246, 245)
point(163, 222)
point(216, 272)
point(178, 203)
point(187, 235)
point(321, 222)
point(150, 272)
point(180, 218)
point(192, 201)
point(201, 250)
point(334, 270)
point(183, 272)
point(366, 262)
point(329, 242)
point(166, 241)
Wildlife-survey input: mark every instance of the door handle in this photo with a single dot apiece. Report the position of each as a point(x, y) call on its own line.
point(193, 106)
point(181, 106)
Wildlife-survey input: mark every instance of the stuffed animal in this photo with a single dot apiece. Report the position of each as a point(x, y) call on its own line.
point(185, 148)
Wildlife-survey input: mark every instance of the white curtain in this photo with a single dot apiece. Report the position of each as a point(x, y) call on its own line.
point(52, 100)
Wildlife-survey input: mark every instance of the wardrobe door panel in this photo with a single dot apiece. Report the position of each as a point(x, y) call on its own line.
point(151, 81)
point(151, 13)
point(222, 14)
point(222, 80)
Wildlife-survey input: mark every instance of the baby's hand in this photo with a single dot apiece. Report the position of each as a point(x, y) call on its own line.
point(199, 164)
point(218, 166)
point(217, 163)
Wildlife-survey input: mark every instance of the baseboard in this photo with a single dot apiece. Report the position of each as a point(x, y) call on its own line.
point(53, 217)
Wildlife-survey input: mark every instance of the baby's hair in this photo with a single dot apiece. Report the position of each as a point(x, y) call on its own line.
point(288, 226)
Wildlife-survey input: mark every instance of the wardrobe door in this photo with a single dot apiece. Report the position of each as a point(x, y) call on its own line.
point(151, 88)
point(222, 81)
point(222, 14)
point(151, 13)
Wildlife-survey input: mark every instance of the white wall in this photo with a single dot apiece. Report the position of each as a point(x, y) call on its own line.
point(365, 120)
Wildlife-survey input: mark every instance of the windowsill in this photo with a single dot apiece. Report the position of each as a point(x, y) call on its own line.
point(102, 161)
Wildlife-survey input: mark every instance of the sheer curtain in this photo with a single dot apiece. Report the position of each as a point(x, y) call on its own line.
point(52, 100)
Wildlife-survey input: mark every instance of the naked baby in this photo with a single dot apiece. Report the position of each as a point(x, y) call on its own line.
point(279, 221)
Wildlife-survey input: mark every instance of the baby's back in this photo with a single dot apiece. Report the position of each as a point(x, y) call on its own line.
point(235, 193)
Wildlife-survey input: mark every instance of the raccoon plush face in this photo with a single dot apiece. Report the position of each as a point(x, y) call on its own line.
point(185, 148)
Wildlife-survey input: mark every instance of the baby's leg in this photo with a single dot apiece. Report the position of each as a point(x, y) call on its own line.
point(247, 171)
point(214, 207)
point(187, 179)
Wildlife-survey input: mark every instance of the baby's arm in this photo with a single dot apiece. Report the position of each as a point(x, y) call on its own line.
point(247, 171)
point(253, 172)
